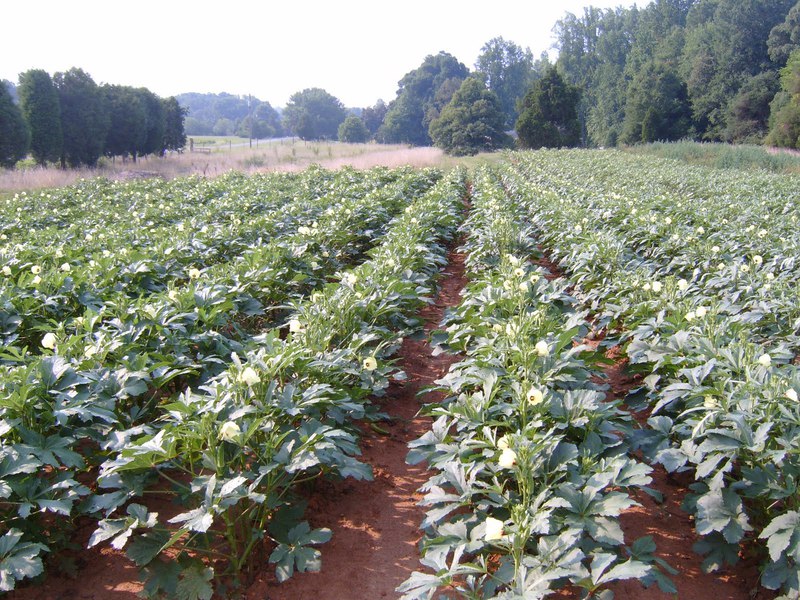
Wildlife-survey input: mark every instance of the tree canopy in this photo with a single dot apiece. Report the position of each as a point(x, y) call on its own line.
point(421, 96)
point(314, 114)
point(14, 135)
point(42, 111)
point(509, 72)
point(473, 121)
point(353, 131)
point(549, 114)
point(84, 118)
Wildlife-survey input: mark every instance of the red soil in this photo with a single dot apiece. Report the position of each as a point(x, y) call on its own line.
point(376, 524)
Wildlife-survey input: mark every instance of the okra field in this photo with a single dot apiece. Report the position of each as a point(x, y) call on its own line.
point(190, 366)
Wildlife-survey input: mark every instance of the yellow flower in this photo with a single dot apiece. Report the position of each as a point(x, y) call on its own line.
point(229, 431)
point(508, 458)
point(49, 340)
point(502, 443)
point(690, 316)
point(194, 273)
point(66, 267)
point(542, 349)
point(36, 280)
point(758, 259)
point(494, 529)
point(765, 360)
point(6, 270)
point(36, 269)
point(370, 364)
point(701, 311)
point(791, 394)
point(249, 376)
point(683, 285)
point(519, 272)
point(657, 286)
point(295, 325)
point(710, 402)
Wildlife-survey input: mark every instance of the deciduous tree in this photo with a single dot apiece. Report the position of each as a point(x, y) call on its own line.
point(549, 114)
point(314, 114)
point(472, 122)
point(353, 131)
point(508, 71)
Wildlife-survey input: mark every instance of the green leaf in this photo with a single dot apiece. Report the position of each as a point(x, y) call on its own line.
point(195, 583)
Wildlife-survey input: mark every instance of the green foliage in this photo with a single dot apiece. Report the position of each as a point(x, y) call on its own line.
point(127, 132)
point(472, 122)
point(509, 72)
point(749, 110)
point(353, 130)
point(174, 132)
point(42, 111)
point(84, 118)
point(785, 37)
point(314, 114)
point(373, 116)
point(549, 114)
point(784, 128)
point(657, 106)
point(204, 110)
point(14, 134)
point(421, 96)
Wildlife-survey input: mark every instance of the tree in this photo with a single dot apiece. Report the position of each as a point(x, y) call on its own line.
point(153, 142)
point(473, 121)
point(421, 95)
point(314, 114)
point(14, 136)
point(40, 106)
point(508, 71)
point(549, 114)
point(127, 131)
point(353, 131)
point(748, 112)
point(784, 128)
point(174, 132)
point(785, 37)
point(657, 107)
point(373, 116)
point(84, 118)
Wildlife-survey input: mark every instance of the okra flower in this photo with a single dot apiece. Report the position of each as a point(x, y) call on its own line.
point(765, 360)
point(542, 349)
point(249, 376)
point(535, 396)
point(229, 431)
point(49, 341)
point(502, 443)
point(295, 325)
point(36, 269)
point(6, 270)
point(791, 394)
point(683, 285)
point(690, 316)
point(508, 458)
point(657, 286)
point(758, 259)
point(494, 529)
point(66, 267)
point(519, 272)
point(701, 311)
point(194, 273)
point(370, 364)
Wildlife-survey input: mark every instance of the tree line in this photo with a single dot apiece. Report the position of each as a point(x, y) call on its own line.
point(712, 70)
point(71, 120)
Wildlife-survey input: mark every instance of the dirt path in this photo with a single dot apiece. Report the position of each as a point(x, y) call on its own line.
point(376, 524)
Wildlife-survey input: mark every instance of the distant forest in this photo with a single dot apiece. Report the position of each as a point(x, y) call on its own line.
point(226, 114)
point(716, 70)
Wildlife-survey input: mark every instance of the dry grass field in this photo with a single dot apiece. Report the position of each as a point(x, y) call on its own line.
point(278, 155)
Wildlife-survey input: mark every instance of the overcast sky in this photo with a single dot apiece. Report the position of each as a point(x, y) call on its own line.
point(355, 49)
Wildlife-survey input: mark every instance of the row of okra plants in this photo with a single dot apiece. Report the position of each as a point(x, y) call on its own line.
point(695, 272)
point(112, 368)
point(531, 462)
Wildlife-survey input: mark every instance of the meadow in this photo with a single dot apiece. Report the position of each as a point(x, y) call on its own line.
point(194, 368)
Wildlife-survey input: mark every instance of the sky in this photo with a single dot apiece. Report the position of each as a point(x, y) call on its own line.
point(356, 50)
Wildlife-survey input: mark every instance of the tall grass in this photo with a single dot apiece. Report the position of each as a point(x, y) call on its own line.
point(278, 155)
point(725, 156)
